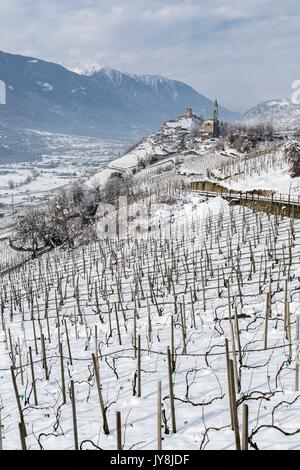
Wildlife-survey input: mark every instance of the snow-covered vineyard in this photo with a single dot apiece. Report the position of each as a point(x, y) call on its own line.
point(185, 336)
point(149, 231)
point(209, 310)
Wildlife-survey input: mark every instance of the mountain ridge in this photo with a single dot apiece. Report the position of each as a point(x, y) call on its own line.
point(107, 103)
point(281, 113)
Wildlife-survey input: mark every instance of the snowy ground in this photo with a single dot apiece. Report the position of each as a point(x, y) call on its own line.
point(180, 272)
point(206, 267)
point(161, 146)
point(277, 179)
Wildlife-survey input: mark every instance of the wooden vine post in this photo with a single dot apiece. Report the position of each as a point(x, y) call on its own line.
point(102, 406)
point(245, 427)
point(234, 407)
point(159, 433)
point(74, 416)
point(172, 403)
point(119, 430)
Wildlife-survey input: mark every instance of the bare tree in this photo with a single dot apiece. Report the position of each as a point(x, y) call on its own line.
point(58, 223)
point(117, 185)
point(244, 138)
point(292, 155)
point(11, 184)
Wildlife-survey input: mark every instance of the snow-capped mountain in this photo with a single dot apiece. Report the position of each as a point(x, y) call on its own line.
point(154, 82)
point(282, 113)
point(101, 102)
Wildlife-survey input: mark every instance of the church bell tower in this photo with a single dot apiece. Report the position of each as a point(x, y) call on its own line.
point(216, 131)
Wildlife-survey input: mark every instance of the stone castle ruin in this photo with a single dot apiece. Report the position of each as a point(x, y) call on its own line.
point(210, 125)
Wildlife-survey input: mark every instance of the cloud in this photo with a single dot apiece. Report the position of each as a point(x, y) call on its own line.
point(242, 52)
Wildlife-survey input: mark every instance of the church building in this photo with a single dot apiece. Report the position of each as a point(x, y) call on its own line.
point(211, 125)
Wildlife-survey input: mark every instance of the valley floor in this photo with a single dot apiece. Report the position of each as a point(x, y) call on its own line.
point(65, 159)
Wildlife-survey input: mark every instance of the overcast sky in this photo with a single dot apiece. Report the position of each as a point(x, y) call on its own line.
point(241, 52)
